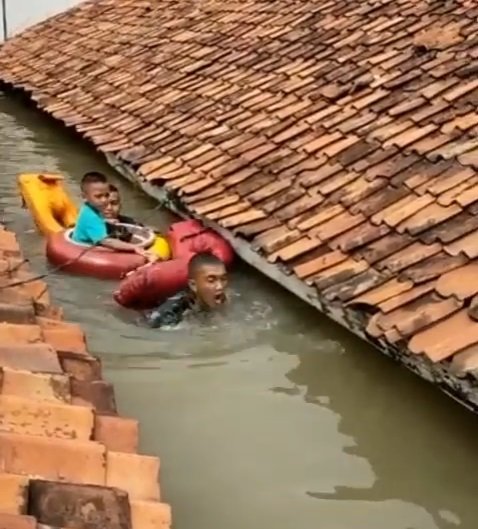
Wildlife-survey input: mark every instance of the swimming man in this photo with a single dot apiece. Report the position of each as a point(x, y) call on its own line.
point(206, 292)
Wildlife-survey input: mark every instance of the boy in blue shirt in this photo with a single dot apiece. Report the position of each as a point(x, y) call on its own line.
point(91, 227)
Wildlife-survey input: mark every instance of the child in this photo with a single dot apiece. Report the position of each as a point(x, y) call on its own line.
point(91, 225)
point(114, 218)
point(113, 210)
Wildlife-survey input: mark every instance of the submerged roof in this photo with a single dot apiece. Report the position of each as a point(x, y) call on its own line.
point(340, 138)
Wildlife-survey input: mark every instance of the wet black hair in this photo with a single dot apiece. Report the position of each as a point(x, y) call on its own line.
point(92, 177)
point(202, 259)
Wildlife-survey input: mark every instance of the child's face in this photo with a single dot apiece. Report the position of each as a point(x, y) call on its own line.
point(97, 194)
point(114, 205)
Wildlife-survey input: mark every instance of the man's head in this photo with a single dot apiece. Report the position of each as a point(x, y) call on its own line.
point(113, 208)
point(208, 280)
point(95, 190)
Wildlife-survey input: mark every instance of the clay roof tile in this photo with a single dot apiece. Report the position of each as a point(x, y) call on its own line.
point(339, 137)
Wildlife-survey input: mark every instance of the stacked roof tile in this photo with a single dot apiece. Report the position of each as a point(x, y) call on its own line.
point(66, 458)
point(339, 138)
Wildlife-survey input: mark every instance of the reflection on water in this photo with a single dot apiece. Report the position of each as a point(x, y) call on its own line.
point(270, 416)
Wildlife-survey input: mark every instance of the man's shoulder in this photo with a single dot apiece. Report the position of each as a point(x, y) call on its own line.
point(170, 312)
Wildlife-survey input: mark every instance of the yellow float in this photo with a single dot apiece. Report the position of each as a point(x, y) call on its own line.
point(53, 211)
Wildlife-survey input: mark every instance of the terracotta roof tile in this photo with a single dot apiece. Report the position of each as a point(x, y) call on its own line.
point(325, 215)
point(417, 314)
point(427, 217)
point(375, 296)
point(407, 296)
point(467, 245)
point(338, 273)
point(401, 210)
point(295, 249)
point(459, 282)
point(465, 361)
point(337, 225)
point(408, 256)
point(337, 137)
point(59, 420)
point(358, 236)
point(356, 285)
point(318, 264)
point(433, 267)
point(445, 339)
point(452, 229)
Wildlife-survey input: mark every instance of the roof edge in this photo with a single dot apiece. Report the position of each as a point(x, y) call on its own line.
point(459, 388)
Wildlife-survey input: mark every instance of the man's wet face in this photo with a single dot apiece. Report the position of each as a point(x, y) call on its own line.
point(209, 284)
point(97, 194)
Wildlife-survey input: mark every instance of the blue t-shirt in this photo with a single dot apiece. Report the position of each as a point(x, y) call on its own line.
point(90, 227)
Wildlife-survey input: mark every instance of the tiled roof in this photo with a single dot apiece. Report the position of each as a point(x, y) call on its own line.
point(338, 137)
point(67, 459)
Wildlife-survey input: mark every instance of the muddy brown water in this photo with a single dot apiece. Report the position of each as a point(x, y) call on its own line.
point(271, 416)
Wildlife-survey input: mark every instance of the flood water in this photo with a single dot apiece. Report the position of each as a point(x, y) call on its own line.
point(273, 417)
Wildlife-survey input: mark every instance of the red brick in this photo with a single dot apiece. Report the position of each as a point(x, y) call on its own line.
point(97, 394)
point(8, 266)
point(18, 313)
point(16, 307)
point(13, 521)
point(118, 434)
point(36, 386)
point(14, 334)
point(150, 515)
point(136, 474)
point(36, 291)
point(80, 506)
point(13, 494)
point(8, 244)
point(48, 419)
point(81, 462)
point(80, 366)
point(51, 312)
point(39, 358)
point(63, 336)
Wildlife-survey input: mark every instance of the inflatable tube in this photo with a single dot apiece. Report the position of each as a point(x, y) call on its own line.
point(160, 247)
point(151, 285)
point(190, 237)
point(46, 199)
point(53, 211)
point(82, 259)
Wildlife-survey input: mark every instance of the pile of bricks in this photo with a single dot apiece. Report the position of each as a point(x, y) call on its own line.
point(67, 460)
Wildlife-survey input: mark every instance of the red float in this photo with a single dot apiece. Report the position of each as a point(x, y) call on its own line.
point(153, 284)
point(89, 260)
point(191, 237)
point(148, 286)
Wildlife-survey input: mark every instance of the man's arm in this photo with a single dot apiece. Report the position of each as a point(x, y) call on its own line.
point(97, 232)
point(168, 313)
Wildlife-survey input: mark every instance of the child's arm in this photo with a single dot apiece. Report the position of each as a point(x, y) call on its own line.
point(116, 244)
point(97, 231)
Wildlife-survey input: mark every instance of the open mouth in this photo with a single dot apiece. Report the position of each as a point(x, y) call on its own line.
point(219, 298)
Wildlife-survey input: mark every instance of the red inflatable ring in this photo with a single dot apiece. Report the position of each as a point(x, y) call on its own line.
point(94, 261)
point(151, 285)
